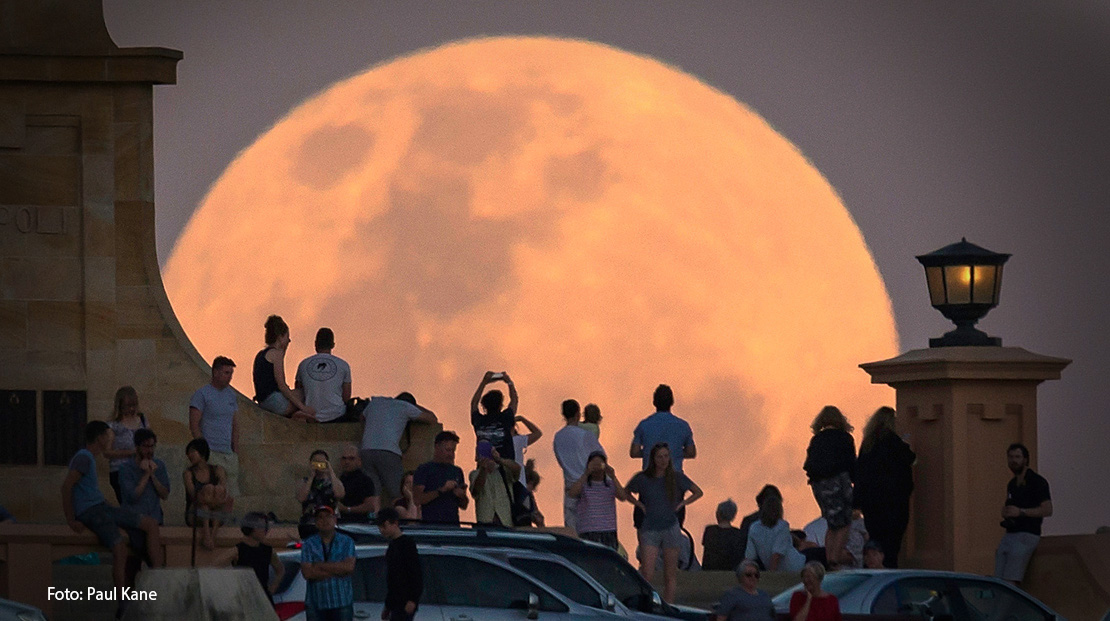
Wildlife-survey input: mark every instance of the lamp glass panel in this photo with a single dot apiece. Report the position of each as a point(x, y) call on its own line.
point(983, 292)
point(935, 278)
point(998, 284)
point(958, 280)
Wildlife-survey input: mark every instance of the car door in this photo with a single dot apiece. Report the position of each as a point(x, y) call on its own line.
point(986, 600)
point(369, 587)
point(561, 579)
point(470, 589)
point(932, 597)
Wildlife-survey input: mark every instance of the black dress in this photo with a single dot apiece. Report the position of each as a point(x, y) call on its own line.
point(883, 484)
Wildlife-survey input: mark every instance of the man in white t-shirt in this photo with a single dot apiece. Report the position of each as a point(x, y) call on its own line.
point(573, 446)
point(386, 419)
point(325, 379)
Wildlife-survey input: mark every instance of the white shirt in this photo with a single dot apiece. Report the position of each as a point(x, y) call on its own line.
point(386, 419)
point(322, 377)
point(763, 542)
point(520, 445)
point(573, 446)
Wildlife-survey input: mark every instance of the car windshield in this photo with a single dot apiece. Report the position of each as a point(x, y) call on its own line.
point(839, 584)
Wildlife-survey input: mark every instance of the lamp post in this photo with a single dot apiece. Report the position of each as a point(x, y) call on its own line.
point(964, 284)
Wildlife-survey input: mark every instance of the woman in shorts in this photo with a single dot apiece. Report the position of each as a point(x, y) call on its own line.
point(660, 491)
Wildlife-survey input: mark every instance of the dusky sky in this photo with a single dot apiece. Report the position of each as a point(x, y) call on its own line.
point(933, 121)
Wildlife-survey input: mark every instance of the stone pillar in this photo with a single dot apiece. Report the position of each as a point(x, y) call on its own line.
point(960, 407)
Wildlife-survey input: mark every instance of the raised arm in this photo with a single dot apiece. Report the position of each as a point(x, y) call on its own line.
point(514, 403)
point(477, 398)
point(534, 432)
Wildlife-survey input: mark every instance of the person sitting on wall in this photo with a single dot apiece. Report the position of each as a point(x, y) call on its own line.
point(85, 507)
point(205, 491)
point(253, 553)
point(724, 543)
point(271, 391)
point(321, 487)
point(325, 380)
point(144, 483)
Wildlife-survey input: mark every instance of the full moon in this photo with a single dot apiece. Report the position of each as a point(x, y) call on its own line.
point(592, 221)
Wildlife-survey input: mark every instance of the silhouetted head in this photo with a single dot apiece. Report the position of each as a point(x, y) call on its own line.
point(325, 339)
point(406, 397)
point(222, 370)
point(492, 401)
point(767, 491)
point(199, 448)
point(95, 430)
point(445, 444)
point(770, 512)
point(276, 329)
point(831, 417)
point(572, 412)
point(663, 399)
point(880, 422)
point(726, 511)
point(591, 413)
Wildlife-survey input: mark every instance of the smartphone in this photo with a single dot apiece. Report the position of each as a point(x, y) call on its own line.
point(497, 376)
point(320, 465)
point(485, 450)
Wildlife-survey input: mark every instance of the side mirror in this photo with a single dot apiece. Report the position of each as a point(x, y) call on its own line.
point(533, 606)
point(656, 601)
point(610, 602)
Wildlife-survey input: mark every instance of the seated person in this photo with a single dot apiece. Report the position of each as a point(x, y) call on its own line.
point(85, 507)
point(252, 553)
point(769, 540)
point(724, 543)
point(321, 488)
point(205, 491)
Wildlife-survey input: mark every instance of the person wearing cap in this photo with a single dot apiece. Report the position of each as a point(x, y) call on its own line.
point(327, 562)
point(325, 379)
point(404, 578)
point(746, 602)
point(597, 492)
point(439, 486)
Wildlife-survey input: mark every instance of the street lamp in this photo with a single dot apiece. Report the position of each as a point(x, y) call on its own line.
point(964, 283)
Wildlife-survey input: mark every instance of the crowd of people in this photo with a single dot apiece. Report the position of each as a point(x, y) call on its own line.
point(863, 498)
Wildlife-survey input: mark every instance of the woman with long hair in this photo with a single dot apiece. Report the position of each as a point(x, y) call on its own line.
point(126, 420)
point(770, 542)
point(661, 490)
point(271, 391)
point(884, 482)
point(830, 465)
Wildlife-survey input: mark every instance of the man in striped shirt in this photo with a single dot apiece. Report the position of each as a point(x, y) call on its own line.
point(327, 562)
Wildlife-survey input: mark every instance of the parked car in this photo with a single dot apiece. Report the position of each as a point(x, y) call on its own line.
point(603, 564)
point(458, 584)
point(566, 578)
point(15, 611)
point(928, 594)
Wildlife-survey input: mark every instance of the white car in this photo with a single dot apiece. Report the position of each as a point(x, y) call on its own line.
point(931, 594)
point(15, 611)
point(459, 585)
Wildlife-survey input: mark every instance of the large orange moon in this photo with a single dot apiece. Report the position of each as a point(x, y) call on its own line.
point(592, 221)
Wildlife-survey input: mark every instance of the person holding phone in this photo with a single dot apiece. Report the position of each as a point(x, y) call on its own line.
point(496, 424)
point(493, 501)
point(321, 487)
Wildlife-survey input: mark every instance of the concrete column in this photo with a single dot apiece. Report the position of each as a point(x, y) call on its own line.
point(960, 408)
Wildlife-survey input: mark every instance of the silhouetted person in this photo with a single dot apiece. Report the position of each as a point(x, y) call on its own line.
point(663, 427)
point(404, 578)
point(271, 391)
point(573, 446)
point(496, 424)
point(324, 379)
point(724, 544)
point(253, 553)
point(126, 420)
point(830, 465)
point(386, 420)
point(884, 482)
